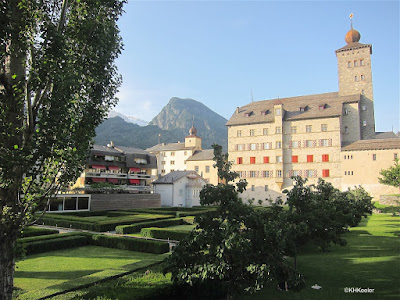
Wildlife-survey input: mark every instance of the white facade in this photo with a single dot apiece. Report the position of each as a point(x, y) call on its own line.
point(179, 189)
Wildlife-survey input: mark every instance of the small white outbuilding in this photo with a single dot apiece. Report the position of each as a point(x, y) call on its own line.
point(179, 188)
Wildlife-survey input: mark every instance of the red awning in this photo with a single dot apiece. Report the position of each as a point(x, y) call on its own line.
point(99, 179)
point(134, 169)
point(113, 180)
point(98, 167)
point(113, 168)
point(134, 181)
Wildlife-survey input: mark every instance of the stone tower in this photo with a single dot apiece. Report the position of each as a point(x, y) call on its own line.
point(355, 77)
point(192, 140)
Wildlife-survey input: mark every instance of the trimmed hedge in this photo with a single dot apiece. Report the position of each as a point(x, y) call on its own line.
point(133, 228)
point(47, 237)
point(36, 231)
point(132, 244)
point(99, 226)
point(160, 233)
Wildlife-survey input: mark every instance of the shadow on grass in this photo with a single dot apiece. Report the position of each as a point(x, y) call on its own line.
point(54, 274)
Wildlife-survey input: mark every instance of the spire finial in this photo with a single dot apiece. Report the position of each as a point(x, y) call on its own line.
point(193, 121)
point(351, 19)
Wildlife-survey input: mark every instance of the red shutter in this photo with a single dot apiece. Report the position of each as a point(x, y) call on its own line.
point(266, 159)
point(325, 173)
point(252, 160)
point(310, 158)
point(295, 158)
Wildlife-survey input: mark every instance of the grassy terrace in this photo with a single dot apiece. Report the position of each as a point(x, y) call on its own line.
point(44, 274)
point(371, 259)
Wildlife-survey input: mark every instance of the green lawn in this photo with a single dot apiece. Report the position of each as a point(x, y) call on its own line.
point(51, 272)
point(371, 259)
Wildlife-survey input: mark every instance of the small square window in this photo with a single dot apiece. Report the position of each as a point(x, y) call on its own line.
point(278, 129)
point(207, 169)
point(395, 156)
point(239, 133)
point(364, 123)
point(278, 112)
point(293, 129)
point(279, 173)
point(253, 146)
point(279, 159)
point(363, 107)
point(308, 128)
point(196, 168)
point(324, 127)
point(266, 188)
point(252, 132)
point(265, 131)
point(373, 156)
point(361, 62)
point(278, 145)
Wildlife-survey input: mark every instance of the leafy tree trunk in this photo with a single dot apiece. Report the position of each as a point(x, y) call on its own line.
point(7, 263)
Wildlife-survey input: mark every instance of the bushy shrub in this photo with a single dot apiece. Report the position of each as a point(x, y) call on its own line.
point(36, 231)
point(41, 246)
point(133, 228)
point(160, 233)
point(132, 244)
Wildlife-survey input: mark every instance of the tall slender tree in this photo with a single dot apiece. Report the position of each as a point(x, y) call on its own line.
point(57, 82)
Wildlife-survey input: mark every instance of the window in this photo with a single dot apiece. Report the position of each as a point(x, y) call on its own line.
point(321, 107)
point(325, 157)
point(266, 159)
point(267, 146)
point(266, 188)
point(355, 78)
point(252, 160)
point(172, 162)
point(207, 169)
point(279, 173)
point(253, 174)
point(162, 171)
point(172, 170)
point(295, 159)
point(163, 162)
point(172, 153)
point(373, 156)
point(310, 158)
point(361, 62)
point(349, 64)
point(325, 173)
point(196, 168)
point(240, 147)
point(395, 156)
point(346, 130)
point(265, 131)
point(278, 129)
point(239, 160)
point(362, 77)
point(293, 129)
point(355, 63)
point(278, 145)
point(309, 143)
point(295, 144)
point(364, 123)
point(253, 146)
point(252, 132)
point(363, 107)
point(295, 173)
point(309, 173)
point(278, 112)
point(324, 143)
point(266, 173)
point(362, 92)
point(308, 128)
point(324, 127)
point(302, 109)
point(185, 153)
point(346, 111)
point(279, 159)
point(239, 133)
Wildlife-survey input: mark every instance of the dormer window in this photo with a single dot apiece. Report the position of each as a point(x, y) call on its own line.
point(248, 114)
point(302, 108)
point(321, 107)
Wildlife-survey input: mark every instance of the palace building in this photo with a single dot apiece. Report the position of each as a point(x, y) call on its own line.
point(330, 136)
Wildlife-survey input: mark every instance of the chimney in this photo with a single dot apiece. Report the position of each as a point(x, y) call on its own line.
point(237, 109)
point(111, 144)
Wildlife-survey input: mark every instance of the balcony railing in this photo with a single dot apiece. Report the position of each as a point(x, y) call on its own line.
point(117, 175)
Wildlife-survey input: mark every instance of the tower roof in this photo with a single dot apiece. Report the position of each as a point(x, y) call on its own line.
point(352, 36)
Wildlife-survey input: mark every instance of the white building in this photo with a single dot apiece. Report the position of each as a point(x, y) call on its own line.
point(179, 188)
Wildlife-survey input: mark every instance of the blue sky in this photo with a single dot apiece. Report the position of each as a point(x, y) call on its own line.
point(217, 52)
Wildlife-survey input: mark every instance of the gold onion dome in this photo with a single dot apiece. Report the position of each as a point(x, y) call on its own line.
point(352, 36)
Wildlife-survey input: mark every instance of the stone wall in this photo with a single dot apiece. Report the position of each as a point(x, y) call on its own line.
point(389, 200)
point(124, 201)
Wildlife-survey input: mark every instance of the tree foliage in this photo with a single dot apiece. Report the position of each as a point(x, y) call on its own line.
point(57, 82)
point(391, 176)
point(234, 248)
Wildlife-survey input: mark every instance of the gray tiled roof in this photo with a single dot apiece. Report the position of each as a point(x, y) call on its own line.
point(375, 144)
point(169, 147)
point(106, 150)
point(207, 154)
point(353, 46)
point(386, 135)
point(291, 108)
point(173, 176)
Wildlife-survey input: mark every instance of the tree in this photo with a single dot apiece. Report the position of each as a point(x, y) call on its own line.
point(235, 248)
point(391, 176)
point(57, 82)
